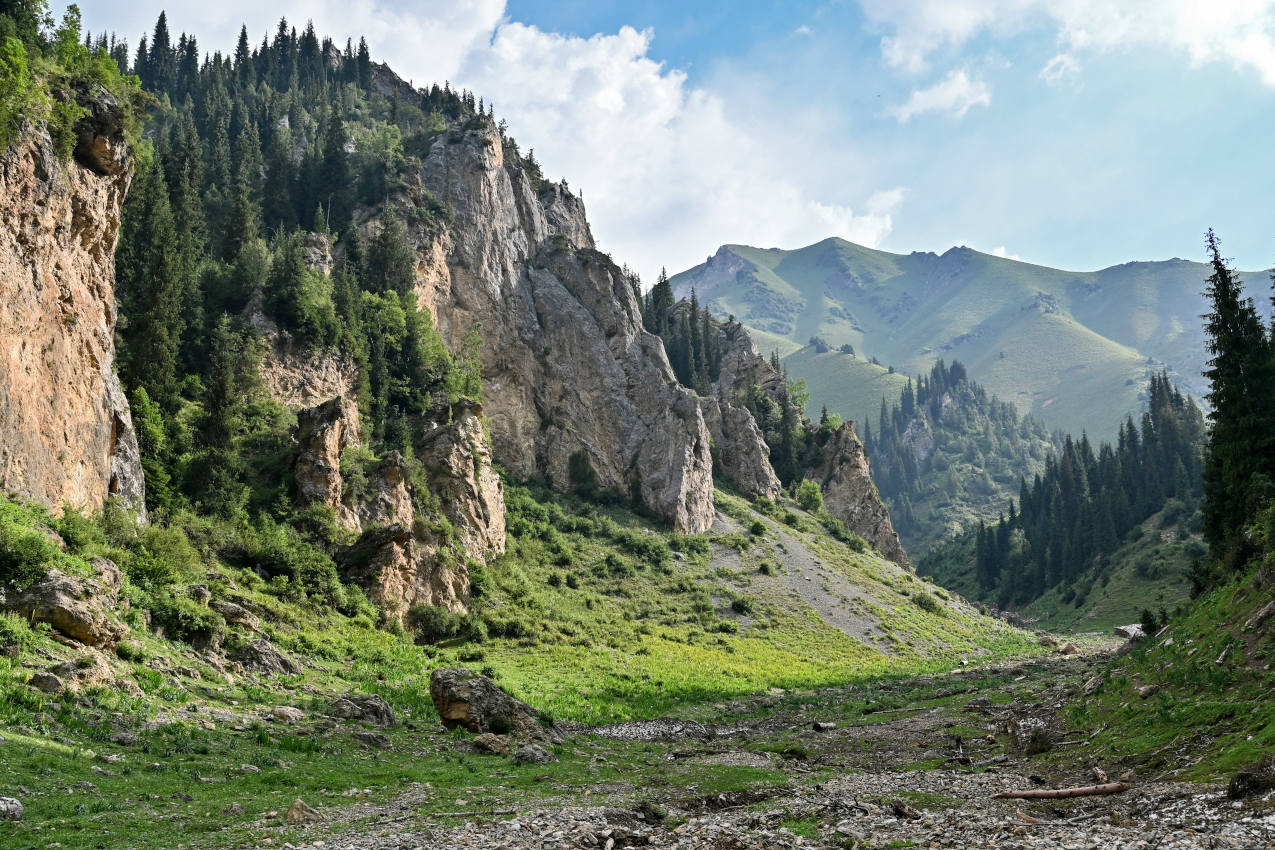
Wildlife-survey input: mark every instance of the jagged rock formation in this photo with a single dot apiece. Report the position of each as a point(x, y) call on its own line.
point(80, 608)
point(66, 435)
point(850, 495)
point(844, 476)
point(404, 555)
point(571, 376)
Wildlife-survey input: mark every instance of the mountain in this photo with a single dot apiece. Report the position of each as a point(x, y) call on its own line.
point(1074, 349)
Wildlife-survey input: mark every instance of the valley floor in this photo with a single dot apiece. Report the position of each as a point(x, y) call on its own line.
point(911, 762)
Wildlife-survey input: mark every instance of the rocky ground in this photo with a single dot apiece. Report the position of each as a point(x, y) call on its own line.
point(913, 766)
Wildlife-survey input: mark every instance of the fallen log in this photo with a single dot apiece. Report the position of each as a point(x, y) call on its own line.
point(1057, 793)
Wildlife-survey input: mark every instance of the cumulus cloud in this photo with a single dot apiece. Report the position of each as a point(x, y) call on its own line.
point(1002, 251)
point(1238, 32)
point(668, 172)
point(956, 93)
point(804, 30)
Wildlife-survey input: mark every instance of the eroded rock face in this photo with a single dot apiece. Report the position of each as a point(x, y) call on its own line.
point(405, 559)
point(466, 699)
point(297, 378)
point(66, 435)
point(741, 446)
point(850, 495)
point(569, 371)
point(80, 608)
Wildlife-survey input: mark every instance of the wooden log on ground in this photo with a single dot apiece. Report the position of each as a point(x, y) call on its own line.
point(1057, 793)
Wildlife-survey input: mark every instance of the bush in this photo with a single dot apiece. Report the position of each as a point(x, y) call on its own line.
point(432, 623)
point(757, 529)
point(926, 602)
point(25, 553)
point(185, 619)
point(809, 497)
point(742, 605)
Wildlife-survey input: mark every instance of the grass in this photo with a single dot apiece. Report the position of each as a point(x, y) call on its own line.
point(594, 615)
point(1208, 719)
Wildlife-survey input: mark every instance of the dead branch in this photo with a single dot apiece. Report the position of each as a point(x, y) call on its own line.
point(1056, 793)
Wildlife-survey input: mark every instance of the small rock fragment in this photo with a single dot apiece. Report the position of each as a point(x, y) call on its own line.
point(534, 754)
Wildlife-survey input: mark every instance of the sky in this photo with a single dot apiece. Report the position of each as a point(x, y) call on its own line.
point(1078, 134)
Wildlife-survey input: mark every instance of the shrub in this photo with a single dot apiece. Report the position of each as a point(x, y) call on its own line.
point(742, 605)
point(926, 602)
point(184, 619)
point(791, 519)
point(757, 529)
point(809, 497)
point(479, 580)
point(25, 553)
point(432, 623)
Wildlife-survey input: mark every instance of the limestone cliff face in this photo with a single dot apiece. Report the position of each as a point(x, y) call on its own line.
point(843, 474)
point(66, 435)
point(569, 374)
point(407, 556)
point(850, 495)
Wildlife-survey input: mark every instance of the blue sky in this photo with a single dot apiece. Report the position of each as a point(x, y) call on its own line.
point(1072, 133)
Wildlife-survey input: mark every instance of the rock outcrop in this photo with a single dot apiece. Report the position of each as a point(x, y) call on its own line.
point(82, 609)
point(850, 495)
point(66, 435)
point(404, 555)
point(465, 699)
point(572, 378)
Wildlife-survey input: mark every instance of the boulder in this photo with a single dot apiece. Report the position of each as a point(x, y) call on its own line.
point(286, 714)
point(261, 655)
point(80, 608)
point(372, 739)
point(50, 683)
point(1133, 632)
point(236, 614)
point(534, 754)
point(493, 744)
point(467, 699)
point(1252, 780)
point(370, 708)
point(10, 809)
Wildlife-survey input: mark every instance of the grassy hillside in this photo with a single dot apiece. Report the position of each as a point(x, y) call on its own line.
point(847, 384)
point(594, 615)
point(1074, 349)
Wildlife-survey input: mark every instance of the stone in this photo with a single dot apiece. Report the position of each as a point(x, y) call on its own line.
point(823, 726)
point(66, 433)
point(1132, 632)
point(534, 754)
point(236, 615)
point(1069, 648)
point(10, 808)
point(1147, 691)
point(47, 682)
point(287, 714)
point(370, 708)
point(233, 810)
point(467, 699)
point(372, 739)
point(301, 812)
point(249, 768)
point(262, 655)
point(1254, 779)
point(126, 739)
point(200, 593)
point(491, 743)
point(323, 433)
point(80, 608)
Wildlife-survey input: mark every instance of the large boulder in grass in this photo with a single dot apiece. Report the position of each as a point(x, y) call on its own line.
point(370, 708)
point(80, 608)
point(467, 699)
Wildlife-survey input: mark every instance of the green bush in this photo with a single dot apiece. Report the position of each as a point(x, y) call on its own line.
point(17, 633)
point(809, 497)
point(432, 623)
point(185, 619)
point(926, 602)
point(25, 552)
point(742, 605)
point(757, 529)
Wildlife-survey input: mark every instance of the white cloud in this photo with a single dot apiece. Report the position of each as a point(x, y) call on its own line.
point(1238, 32)
point(1060, 67)
point(956, 94)
point(667, 172)
point(1002, 251)
point(804, 30)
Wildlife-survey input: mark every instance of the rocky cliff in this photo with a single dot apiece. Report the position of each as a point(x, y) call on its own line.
point(66, 435)
point(842, 470)
point(574, 386)
point(420, 521)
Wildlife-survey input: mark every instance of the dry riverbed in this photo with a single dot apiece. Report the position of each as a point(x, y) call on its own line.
point(907, 763)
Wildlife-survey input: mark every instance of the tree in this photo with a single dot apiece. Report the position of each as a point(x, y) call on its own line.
point(1237, 466)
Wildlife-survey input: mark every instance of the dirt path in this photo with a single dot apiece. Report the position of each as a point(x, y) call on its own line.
point(910, 763)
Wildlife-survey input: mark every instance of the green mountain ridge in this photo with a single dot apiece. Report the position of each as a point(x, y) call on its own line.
point(1074, 349)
